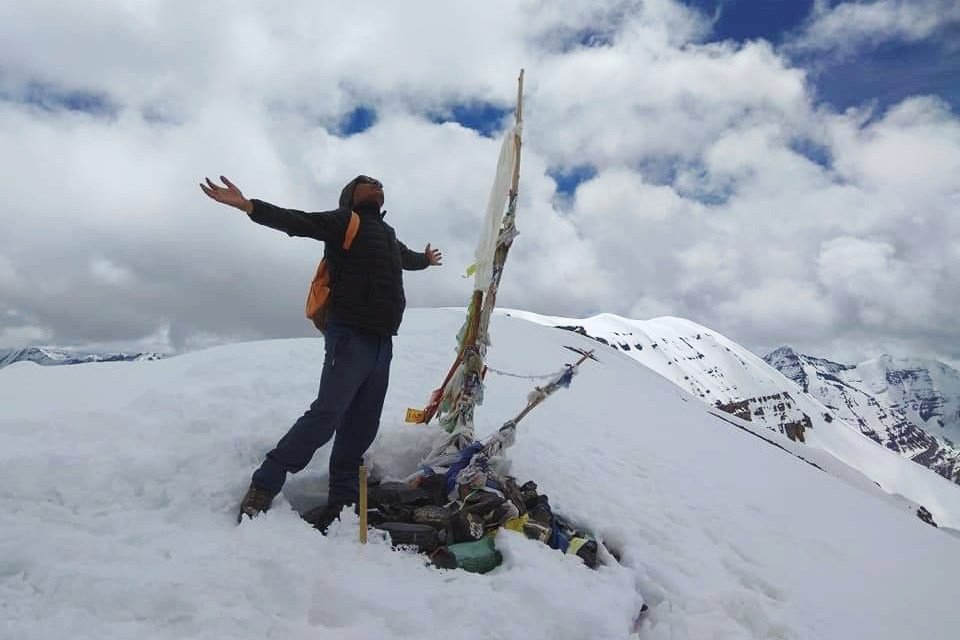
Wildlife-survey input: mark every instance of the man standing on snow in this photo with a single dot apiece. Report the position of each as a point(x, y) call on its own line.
point(365, 310)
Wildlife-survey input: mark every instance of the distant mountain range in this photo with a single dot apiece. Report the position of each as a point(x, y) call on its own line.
point(911, 407)
point(48, 356)
point(908, 405)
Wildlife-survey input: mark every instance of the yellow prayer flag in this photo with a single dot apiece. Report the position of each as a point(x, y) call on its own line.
point(416, 416)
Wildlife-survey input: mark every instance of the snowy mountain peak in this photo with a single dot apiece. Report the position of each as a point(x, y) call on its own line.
point(786, 351)
point(909, 405)
point(787, 361)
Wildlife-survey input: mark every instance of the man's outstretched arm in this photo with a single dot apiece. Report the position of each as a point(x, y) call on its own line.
point(320, 226)
point(413, 261)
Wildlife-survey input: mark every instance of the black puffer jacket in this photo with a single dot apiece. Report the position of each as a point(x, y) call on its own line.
point(367, 279)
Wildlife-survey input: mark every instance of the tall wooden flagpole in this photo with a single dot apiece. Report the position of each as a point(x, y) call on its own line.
point(467, 370)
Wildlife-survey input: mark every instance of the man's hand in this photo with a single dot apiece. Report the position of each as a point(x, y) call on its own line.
point(433, 256)
point(230, 195)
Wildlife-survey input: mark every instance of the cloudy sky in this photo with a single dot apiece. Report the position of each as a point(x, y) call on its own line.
point(782, 171)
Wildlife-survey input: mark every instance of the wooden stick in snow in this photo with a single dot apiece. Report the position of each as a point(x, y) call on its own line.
point(363, 504)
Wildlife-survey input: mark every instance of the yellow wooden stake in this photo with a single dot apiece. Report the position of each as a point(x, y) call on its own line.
point(363, 504)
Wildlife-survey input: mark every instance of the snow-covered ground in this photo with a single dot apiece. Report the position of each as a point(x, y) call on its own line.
point(119, 484)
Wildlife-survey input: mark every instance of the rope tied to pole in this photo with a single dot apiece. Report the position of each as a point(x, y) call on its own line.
point(545, 376)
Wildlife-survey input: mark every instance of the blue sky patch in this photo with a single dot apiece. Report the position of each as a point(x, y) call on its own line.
point(882, 75)
point(751, 19)
point(816, 153)
point(891, 73)
point(569, 178)
point(53, 99)
point(357, 121)
point(486, 118)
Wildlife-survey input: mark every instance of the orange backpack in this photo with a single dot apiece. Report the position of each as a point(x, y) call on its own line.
point(319, 294)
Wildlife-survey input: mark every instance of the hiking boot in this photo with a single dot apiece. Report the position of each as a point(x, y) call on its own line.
point(255, 502)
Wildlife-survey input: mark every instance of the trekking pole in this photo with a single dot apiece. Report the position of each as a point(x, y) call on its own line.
point(363, 504)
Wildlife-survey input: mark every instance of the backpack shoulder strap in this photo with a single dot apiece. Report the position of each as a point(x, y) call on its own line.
point(352, 227)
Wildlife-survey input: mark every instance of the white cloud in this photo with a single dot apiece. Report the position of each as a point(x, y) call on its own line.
point(850, 26)
point(16, 337)
point(776, 303)
point(632, 102)
point(109, 272)
point(721, 192)
point(915, 147)
point(620, 197)
point(883, 290)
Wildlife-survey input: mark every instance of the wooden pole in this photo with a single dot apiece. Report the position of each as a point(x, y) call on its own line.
point(518, 116)
point(481, 307)
point(363, 504)
point(476, 305)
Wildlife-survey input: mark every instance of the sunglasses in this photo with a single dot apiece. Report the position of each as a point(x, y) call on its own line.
point(371, 181)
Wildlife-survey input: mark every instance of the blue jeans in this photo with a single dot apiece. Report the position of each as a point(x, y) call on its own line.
point(356, 372)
